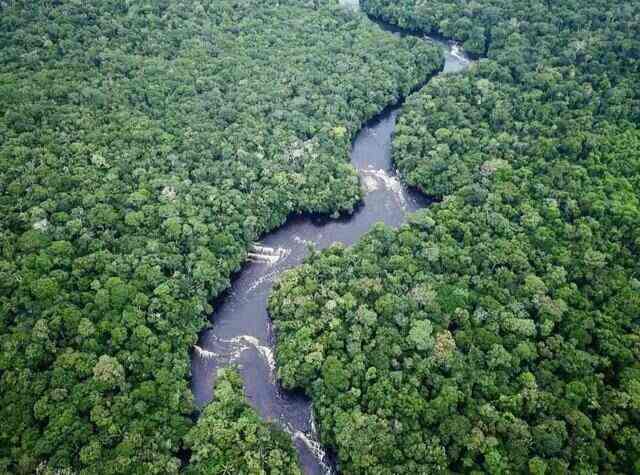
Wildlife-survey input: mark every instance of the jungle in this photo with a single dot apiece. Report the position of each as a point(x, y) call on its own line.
point(498, 331)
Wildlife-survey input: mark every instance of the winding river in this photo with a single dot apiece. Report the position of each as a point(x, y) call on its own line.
point(241, 330)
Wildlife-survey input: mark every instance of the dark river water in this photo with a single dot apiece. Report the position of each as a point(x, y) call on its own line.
point(240, 331)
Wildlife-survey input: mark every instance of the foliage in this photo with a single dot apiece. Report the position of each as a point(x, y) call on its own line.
point(549, 85)
point(481, 336)
point(498, 331)
point(230, 437)
point(143, 147)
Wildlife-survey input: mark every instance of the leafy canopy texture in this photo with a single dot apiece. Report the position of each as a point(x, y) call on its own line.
point(498, 331)
point(500, 337)
point(143, 147)
point(230, 438)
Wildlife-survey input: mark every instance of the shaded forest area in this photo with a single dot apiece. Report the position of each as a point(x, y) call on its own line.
point(143, 147)
point(498, 331)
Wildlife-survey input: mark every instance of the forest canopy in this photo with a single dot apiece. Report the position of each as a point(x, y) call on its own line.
point(230, 437)
point(499, 337)
point(143, 147)
point(498, 331)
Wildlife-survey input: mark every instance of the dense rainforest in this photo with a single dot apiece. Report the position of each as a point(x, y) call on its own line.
point(499, 330)
point(143, 147)
point(231, 438)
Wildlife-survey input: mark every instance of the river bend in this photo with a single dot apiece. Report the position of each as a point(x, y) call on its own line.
point(241, 333)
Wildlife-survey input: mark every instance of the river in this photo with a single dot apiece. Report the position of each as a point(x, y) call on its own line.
point(240, 331)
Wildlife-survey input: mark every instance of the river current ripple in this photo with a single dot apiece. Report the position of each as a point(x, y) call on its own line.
point(240, 331)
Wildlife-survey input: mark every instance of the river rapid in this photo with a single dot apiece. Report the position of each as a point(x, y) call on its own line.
point(240, 331)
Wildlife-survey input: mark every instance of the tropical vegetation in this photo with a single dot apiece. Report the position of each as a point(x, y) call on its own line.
point(143, 147)
point(498, 331)
point(230, 438)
